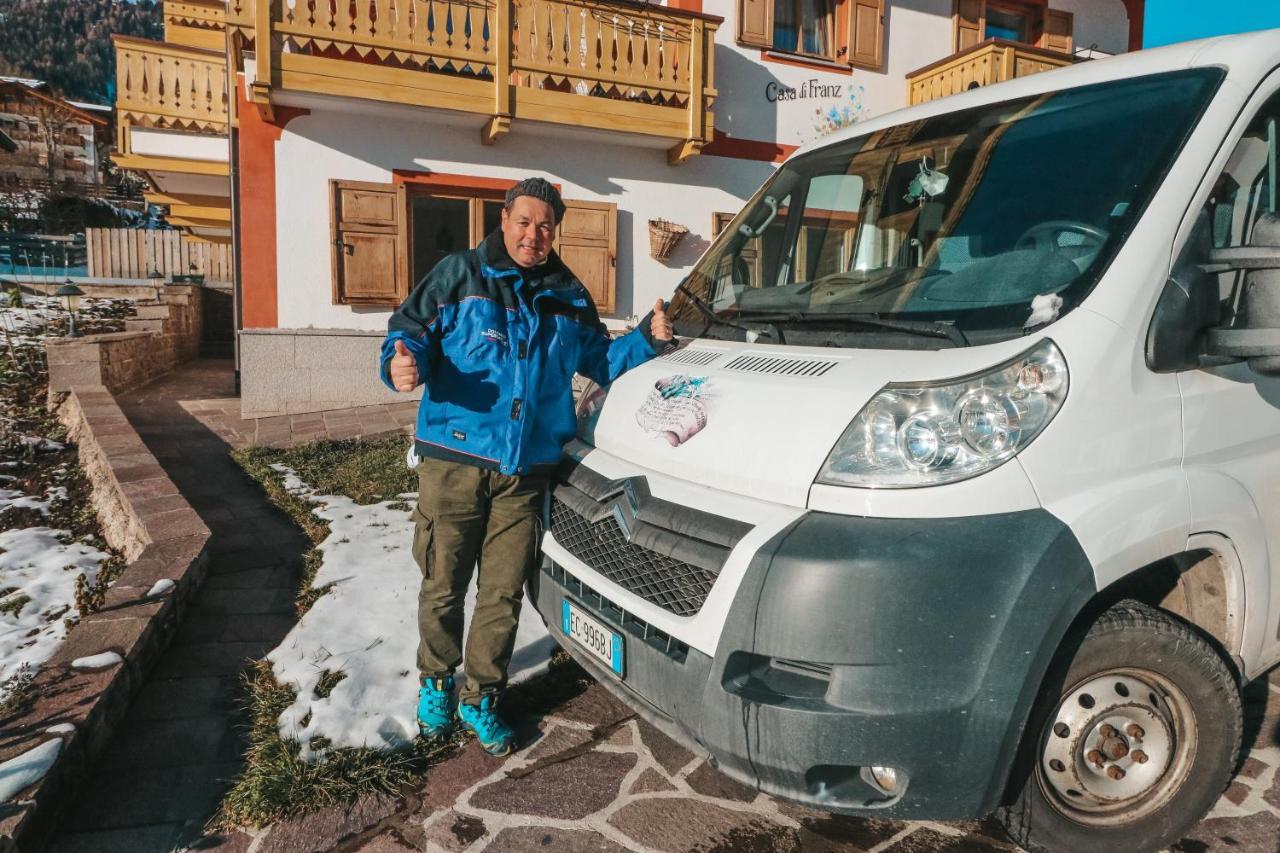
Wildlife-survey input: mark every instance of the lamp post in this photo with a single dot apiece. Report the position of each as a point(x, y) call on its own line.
point(70, 296)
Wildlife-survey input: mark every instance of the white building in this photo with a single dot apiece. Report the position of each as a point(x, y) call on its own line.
point(369, 139)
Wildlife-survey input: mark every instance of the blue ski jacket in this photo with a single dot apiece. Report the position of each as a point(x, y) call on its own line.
point(497, 346)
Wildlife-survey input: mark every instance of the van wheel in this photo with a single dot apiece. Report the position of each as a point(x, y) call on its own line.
point(1135, 747)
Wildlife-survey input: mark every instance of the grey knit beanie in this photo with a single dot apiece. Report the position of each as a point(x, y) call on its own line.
point(542, 190)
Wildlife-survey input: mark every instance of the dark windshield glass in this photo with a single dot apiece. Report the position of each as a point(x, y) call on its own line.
point(965, 227)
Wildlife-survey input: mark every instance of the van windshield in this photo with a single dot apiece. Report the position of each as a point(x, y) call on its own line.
point(964, 228)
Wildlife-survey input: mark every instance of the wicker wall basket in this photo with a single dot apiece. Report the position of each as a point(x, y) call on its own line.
point(664, 236)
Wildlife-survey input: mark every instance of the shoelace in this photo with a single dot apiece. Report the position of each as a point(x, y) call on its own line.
point(437, 698)
point(486, 721)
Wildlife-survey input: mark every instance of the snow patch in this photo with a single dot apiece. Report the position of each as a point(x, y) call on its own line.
point(161, 587)
point(40, 565)
point(23, 771)
point(61, 729)
point(102, 660)
point(366, 627)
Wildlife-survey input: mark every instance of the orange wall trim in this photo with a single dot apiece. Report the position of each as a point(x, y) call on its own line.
point(724, 145)
point(442, 181)
point(686, 5)
point(257, 155)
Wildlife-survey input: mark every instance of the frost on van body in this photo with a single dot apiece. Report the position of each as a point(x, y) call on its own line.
point(366, 627)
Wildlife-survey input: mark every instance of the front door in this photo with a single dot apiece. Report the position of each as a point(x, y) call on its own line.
point(1231, 414)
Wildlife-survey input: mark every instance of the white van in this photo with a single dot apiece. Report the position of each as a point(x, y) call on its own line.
point(962, 493)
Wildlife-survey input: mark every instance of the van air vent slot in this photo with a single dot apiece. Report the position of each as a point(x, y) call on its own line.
point(780, 366)
point(696, 357)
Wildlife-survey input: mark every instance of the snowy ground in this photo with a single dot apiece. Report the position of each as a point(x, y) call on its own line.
point(28, 324)
point(41, 492)
point(366, 628)
point(38, 571)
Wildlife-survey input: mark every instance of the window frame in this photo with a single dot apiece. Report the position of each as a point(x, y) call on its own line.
point(474, 196)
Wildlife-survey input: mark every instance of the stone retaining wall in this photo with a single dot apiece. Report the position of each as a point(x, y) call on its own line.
point(165, 333)
point(145, 516)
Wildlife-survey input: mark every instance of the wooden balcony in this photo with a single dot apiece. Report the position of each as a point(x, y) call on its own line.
point(991, 61)
point(160, 85)
point(617, 66)
point(196, 23)
point(173, 125)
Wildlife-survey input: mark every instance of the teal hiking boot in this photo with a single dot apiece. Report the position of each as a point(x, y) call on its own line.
point(495, 736)
point(435, 707)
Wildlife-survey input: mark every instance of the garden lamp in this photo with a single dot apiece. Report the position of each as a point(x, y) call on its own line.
point(70, 296)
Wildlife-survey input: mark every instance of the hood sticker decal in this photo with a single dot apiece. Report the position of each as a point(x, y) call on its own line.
point(676, 408)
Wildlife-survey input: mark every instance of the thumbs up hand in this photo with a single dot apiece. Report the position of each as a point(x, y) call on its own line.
point(660, 323)
point(403, 368)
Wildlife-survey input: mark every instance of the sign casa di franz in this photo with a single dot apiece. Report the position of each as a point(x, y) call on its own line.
point(813, 88)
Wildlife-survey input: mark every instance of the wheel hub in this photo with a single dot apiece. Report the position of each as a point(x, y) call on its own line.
point(1110, 743)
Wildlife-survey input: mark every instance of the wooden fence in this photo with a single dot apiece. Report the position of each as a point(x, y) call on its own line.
point(135, 253)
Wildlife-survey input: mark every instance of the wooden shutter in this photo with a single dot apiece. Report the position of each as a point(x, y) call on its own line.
point(1056, 32)
point(970, 22)
point(369, 246)
point(866, 33)
point(755, 23)
point(588, 244)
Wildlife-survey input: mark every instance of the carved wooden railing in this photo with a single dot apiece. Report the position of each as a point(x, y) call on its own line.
point(206, 14)
point(166, 86)
point(611, 51)
point(992, 61)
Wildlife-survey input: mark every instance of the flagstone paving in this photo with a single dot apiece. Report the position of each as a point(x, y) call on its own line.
point(593, 778)
point(597, 779)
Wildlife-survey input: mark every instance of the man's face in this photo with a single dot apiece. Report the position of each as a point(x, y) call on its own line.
point(527, 230)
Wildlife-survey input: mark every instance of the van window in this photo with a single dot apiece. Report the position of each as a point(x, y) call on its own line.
point(945, 230)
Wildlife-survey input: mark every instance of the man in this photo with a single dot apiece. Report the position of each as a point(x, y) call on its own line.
point(495, 335)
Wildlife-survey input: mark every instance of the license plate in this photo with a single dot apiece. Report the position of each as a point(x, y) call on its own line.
point(601, 643)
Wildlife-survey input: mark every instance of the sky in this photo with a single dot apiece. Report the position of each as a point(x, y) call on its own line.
point(1169, 21)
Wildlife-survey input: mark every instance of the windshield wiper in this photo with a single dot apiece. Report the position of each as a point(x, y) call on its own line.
point(926, 328)
point(713, 318)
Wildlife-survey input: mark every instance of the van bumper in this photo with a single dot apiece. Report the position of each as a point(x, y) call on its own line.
point(913, 644)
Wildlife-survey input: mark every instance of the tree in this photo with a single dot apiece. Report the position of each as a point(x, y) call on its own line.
point(67, 43)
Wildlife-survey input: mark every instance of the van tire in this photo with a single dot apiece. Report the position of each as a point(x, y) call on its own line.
point(1129, 644)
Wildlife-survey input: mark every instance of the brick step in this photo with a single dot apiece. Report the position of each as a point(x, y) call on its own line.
point(145, 325)
point(152, 312)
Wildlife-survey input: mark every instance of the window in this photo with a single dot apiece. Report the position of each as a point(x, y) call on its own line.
point(955, 219)
point(386, 237)
point(1011, 23)
point(804, 26)
point(441, 224)
point(848, 31)
point(976, 21)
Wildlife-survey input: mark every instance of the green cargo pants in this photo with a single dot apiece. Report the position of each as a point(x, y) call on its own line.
point(469, 519)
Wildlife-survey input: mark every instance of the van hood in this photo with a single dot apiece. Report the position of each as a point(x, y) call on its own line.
point(757, 420)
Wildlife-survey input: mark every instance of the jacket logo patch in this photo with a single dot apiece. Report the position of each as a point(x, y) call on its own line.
point(459, 435)
point(494, 335)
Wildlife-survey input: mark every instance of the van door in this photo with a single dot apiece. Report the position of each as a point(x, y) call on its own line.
point(1231, 414)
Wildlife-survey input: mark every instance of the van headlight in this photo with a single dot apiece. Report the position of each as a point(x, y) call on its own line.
point(923, 434)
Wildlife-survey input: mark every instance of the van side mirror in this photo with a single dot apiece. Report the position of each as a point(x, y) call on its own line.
point(1187, 306)
point(1255, 336)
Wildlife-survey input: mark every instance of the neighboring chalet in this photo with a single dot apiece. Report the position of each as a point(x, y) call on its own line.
point(368, 139)
point(49, 139)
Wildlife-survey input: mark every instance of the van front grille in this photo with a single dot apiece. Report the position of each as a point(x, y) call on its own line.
point(675, 586)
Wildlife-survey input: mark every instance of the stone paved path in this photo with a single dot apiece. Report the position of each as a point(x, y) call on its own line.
point(595, 778)
point(598, 780)
point(174, 755)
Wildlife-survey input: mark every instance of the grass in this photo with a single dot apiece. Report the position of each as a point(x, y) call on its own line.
point(276, 783)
